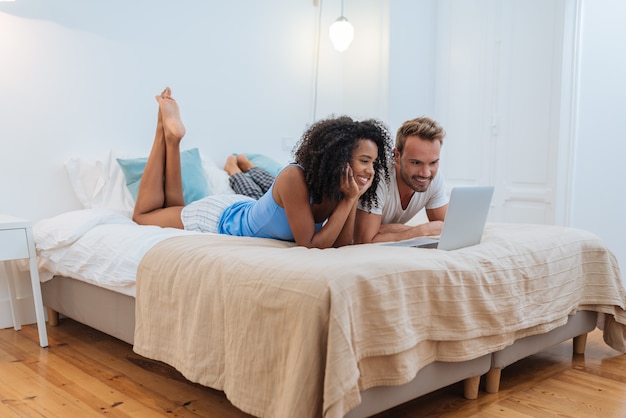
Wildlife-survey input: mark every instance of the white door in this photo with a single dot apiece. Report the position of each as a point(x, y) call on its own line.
point(498, 95)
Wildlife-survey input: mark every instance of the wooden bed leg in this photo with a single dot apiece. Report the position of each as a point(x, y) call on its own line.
point(471, 385)
point(53, 317)
point(492, 381)
point(580, 343)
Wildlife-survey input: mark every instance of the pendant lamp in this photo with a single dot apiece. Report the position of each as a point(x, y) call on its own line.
point(341, 32)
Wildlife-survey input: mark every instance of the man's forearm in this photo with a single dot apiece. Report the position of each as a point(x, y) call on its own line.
point(399, 232)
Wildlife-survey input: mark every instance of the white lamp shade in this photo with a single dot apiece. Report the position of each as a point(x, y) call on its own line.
point(341, 34)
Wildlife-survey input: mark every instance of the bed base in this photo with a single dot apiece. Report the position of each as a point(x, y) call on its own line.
point(577, 327)
point(432, 377)
point(86, 303)
point(105, 310)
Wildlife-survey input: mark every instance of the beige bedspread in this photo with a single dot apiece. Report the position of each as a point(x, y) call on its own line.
point(287, 331)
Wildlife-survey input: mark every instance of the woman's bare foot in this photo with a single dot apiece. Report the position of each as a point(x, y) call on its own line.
point(166, 93)
point(243, 163)
point(231, 166)
point(170, 116)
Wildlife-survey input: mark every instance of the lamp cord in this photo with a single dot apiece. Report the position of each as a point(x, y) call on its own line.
point(317, 61)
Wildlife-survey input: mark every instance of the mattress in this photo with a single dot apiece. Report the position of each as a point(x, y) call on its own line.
point(102, 247)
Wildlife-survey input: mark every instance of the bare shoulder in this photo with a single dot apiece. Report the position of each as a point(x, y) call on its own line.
point(290, 173)
point(290, 184)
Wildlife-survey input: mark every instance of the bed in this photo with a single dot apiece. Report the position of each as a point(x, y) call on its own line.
point(288, 331)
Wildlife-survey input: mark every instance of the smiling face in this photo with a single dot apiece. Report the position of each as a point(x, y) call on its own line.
point(363, 156)
point(419, 162)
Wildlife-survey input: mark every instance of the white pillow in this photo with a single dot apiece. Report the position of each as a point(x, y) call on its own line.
point(101, 183)
point(215, 176)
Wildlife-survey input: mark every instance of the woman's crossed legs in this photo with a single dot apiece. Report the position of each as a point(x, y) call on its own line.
point(160, 197)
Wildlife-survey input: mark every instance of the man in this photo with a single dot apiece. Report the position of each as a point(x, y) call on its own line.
point(414, 185)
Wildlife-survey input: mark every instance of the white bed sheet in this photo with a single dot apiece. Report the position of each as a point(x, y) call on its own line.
point(73, 244)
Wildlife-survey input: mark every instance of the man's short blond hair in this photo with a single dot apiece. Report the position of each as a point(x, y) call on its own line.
point(426, 128)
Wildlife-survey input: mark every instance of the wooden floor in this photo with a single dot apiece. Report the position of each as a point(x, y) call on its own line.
point(86, 373)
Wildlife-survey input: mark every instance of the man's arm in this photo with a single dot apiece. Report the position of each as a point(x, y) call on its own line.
point(437, 214)
point(368, 227)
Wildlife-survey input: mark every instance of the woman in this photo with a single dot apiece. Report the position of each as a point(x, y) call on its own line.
point(312, 202)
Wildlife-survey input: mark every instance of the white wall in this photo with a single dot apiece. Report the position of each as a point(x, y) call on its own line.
point(600, 172)
point(79, 78)
point(411, 60)
point(593, 200)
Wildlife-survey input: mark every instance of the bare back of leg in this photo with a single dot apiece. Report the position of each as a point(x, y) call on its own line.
point(160, 196)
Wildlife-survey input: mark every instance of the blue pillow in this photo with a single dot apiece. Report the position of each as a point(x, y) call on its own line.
point(271, 166)
point(195, 185)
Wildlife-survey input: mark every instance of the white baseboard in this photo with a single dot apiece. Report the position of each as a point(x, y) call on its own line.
point(25, 307)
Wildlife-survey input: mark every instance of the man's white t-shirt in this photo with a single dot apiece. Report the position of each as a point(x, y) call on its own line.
point(390, 207)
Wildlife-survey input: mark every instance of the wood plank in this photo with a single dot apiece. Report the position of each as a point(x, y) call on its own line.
point(25, 394)
point(158, 387)
point(87, 373)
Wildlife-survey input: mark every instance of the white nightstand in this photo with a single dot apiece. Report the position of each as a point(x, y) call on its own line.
point(16, 242)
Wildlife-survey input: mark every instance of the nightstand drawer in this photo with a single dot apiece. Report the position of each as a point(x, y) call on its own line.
point(13, 244)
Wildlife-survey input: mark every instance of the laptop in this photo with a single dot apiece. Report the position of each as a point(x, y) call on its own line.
point(465, 220)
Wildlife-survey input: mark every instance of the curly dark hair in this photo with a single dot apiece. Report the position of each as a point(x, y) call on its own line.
point(327, 145)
